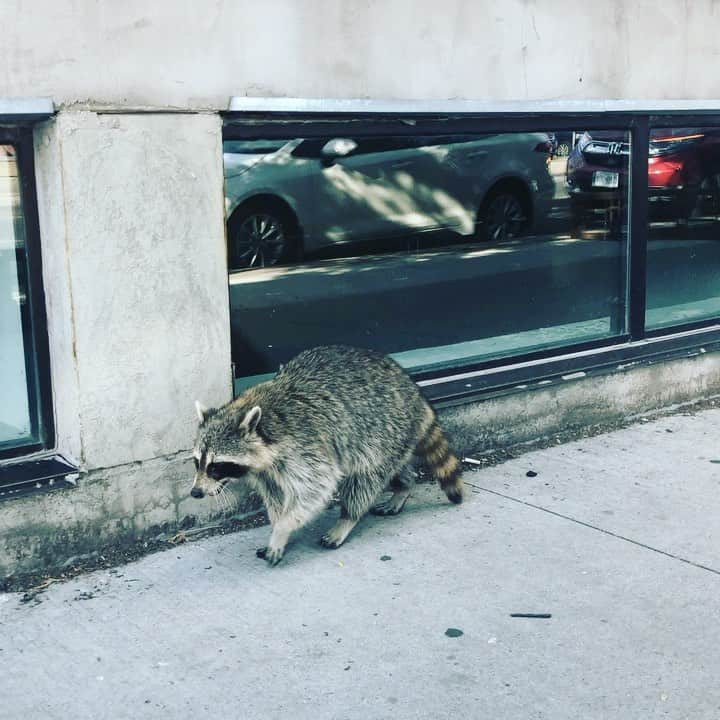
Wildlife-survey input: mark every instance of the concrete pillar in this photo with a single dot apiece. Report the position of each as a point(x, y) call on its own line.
point(135, 275)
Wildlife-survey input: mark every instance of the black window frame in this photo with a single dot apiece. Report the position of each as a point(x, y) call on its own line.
point(468, 381)
point(33, 312)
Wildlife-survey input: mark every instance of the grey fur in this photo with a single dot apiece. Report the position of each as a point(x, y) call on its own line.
point(334, 420)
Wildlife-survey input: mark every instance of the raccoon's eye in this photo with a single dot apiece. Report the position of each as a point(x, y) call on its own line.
point(220, 470)
point(214, 472)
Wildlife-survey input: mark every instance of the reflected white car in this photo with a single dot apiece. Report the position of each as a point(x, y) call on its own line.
point(286, 199)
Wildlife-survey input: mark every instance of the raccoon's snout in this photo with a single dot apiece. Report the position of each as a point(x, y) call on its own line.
point(197, 492)
point(218, 487)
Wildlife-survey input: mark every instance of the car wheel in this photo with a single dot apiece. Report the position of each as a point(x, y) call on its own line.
point(259, 237)
point(503, 215)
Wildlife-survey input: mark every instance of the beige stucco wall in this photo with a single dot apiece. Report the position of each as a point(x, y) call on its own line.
point(196, 54)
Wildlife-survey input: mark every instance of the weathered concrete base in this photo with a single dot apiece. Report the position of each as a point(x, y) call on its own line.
point(116, 506)
point(141, 500)
point(574, 405)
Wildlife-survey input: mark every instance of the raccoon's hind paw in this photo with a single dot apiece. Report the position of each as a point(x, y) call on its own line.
point(261, 553)
point(454, 495)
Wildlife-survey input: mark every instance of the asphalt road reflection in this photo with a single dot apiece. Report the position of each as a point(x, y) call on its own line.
point(544, 289)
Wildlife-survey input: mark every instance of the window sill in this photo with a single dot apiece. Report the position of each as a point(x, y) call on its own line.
point(38, 474)
point(530, 374)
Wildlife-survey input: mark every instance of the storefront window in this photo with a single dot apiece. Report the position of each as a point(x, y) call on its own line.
point(683, 261)
point(440, 250)
point(19, 424)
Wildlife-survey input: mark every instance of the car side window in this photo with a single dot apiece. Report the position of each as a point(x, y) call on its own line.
point(365, 146)
point(310, 148)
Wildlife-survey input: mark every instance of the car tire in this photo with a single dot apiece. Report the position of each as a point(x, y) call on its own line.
point(503, 214)
point(261, 235)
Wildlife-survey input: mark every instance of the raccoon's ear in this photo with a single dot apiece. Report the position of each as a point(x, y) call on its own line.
point(202, 411)
point(251, 419)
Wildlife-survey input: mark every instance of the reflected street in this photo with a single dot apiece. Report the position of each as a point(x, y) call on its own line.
point(434, 299)
point(439, 297)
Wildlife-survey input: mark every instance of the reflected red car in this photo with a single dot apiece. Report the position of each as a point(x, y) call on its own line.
point(683, 173)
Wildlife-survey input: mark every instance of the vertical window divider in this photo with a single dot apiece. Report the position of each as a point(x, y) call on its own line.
point(637, 257)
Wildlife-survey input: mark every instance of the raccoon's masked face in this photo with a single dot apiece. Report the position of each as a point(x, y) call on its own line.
point(228, 447)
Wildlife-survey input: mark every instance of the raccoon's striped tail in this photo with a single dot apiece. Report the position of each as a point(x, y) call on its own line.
point(433, 450)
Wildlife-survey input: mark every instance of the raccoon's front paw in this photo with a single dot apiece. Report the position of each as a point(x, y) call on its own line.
point(393, 506)
point(328, 541)
point(337, 534)
point(273, 555)
point(333, 538)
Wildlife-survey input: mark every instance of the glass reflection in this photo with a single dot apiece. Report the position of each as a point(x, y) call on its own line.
point(15, 423)
point(683, 282)
point(436, 249)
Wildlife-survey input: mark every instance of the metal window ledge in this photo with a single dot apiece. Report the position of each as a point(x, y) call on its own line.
point(372, 106)
point(35, 475)
point(17, 110)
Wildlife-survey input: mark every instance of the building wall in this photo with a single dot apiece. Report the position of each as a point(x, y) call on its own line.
point(196, 54)
point(131, 206)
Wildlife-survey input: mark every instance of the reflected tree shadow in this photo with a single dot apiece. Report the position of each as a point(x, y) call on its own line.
point(409, 284)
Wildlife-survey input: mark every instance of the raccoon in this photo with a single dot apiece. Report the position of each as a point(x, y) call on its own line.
point(334, 420)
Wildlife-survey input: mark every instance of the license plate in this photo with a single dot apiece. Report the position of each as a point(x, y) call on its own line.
point(602, 178)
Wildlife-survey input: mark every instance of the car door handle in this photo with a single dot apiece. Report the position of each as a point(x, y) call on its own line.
point(477, 154)
point(402, 164)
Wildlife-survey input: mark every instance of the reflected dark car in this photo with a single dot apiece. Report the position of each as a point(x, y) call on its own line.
point(286, 199)
point(683, 174)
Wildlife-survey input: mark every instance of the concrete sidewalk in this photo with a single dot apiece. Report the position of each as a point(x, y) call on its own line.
point(616, 536)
